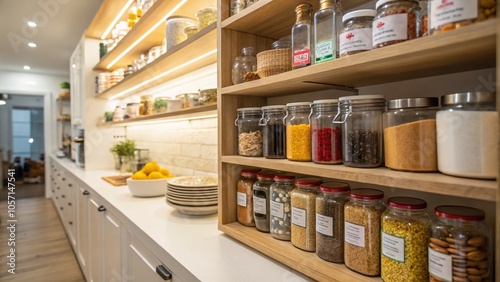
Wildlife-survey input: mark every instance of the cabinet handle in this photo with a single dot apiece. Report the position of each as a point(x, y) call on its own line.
point(70, 185)
point(163, 272)
point(70, 223)
point(101, 208)
point(63, 179)
point(62, 196)
point(61, 208)
point(86, 192)
point(69, 204)
point(58, 188)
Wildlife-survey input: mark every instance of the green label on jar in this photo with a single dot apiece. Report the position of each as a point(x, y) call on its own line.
point(324, 51)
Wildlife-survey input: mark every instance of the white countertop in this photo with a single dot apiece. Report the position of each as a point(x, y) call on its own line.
point(193, 241)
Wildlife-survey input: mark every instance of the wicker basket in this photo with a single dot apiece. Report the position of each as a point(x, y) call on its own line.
point(272, 62)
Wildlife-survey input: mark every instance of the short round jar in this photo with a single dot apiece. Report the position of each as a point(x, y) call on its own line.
point(356, 34)
point(396, 21)
point(206, 17)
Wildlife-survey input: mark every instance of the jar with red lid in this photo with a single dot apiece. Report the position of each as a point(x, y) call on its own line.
point(404, 236)
point(280, 205)
point(460, 245)
point(261, 200)
point(330, 220)
point(304, 213)
point(244, 196)
point(325, 135)
point(362, 230)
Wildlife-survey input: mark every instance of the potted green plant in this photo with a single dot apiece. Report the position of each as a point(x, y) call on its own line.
point(123, 152)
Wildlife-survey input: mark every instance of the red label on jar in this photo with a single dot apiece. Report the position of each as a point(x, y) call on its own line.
point(302, 57)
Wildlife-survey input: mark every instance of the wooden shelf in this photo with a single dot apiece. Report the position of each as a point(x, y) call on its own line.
point(63, 118)
point(197, 51)
point(437, 183)
point(63, 98)
point(469, 48)
point(104, 17)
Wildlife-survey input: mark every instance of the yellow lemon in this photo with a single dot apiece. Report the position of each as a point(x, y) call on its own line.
point(170, 175)
point(150, 167)
point(164, 171)
point(155, 175)
point(139, 175)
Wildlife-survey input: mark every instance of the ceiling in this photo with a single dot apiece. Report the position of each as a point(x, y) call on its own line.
point(61, 24)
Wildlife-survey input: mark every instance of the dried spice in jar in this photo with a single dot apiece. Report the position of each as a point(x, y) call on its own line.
point(395, 22)
point(280, 204)
point(261, 208)
point(298, 131)
point(460, 245)
point(362, 231)
point(273, 130)
point(356, 35)
point(330, 221)
point(304, 213)
point(249, 132)
point(244, 196)
point(325, 135)
point(404, 236)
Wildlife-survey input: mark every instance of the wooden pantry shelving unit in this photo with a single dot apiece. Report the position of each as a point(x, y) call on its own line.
point(470, 48)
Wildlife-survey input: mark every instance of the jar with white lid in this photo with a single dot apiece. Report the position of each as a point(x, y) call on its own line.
point(273, 131)
point(410, 134)
point(261, 209)
point(280, 205)
point(460, 245)
point(362, 131)
point(298, 131)
point(404, 237)
point(325, 135)
point(396, 21)
point(249, 131)
point(356, 35)
point(467, 134)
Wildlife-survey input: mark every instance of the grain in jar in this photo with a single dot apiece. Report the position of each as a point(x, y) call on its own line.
point(330, 220)
point(249, 132)
point(244, 196)
point(206, 16)
point(304, 213)
point(356, 34)
point(404, 236)
point(460, 245)
point(280, 204)
point(175, 30)
point(362, 231)
point(298, 131)
point(261, 208)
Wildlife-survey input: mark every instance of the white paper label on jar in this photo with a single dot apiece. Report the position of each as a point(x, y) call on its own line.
point(277, 209)
point(393, 247)
point(324, 224)
point(299, 217)
point(440, 265)
point(449, 11)
point(259, 205)
point(354, 234)
point(241, 199)
point(355, 40)
point(393, 27)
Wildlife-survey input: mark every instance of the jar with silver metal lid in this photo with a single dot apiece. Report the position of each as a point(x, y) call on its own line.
point(325, 135)
point(467, 134)
point(396, 21)
point(410, 134)
point(356, 35)
point(273, 131)
point(249, 132)
point(298, 131)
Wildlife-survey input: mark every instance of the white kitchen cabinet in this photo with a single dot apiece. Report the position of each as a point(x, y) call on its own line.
point(63, 188)
point(83, 223)
point(95, 239)
point(111, 247)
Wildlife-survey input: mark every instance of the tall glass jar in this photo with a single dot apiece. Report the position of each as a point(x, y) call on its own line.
point(244, 196)
point(330, 221)
point(405, 232)
point(280, 204)
point(304, 213)
point(410, 134)
point(362, 230)
point(273, 130)
point(467, 134)
point(261, 210)
point(302, 37)
point(361, 119)
point(325, 135)
point(395, 22)
point(460, 242)
point(244, 65)
point(298, 131)
point(249, 132)
point(356, 34)
point(327, 25)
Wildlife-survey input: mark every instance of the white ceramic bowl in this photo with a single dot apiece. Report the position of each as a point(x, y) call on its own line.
point(147, 187)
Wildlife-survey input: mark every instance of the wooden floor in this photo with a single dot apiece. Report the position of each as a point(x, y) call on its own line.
point(24, 190)
point(43, 252)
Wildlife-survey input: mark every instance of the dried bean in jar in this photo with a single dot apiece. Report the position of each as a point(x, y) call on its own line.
point(261, 200)
point(363, 146)
point(280, 205)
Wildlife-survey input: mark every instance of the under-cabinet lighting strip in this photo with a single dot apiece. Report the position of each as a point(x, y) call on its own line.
point(113, 23)
point(133, 123)
point(146, 33)
point(161, 75)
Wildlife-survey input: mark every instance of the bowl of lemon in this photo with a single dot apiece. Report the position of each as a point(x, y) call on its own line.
point(150, 181)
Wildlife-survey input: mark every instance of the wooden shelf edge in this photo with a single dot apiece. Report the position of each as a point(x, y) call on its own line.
point(283, 251)
point(437, 183)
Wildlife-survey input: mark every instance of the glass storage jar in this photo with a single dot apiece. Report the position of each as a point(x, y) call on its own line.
point(330, 220)
point(207, 96)
point(160, 104)
point(362, 230)
point(467, 134)
point(237, 6)
point(206, 16)
point(423, 19)
point(361, 119)
point(131, 110)
point(410, 134)
point(404, 236)
point(303, 226)
point(460, 245)
point(395, 22)
point(244, 196)
point(273, 131)
point(244, 65)
point(175, 29)
point(249, 132)
point(146, 107)
point(190, 31)
point(356, 34)
point(261, 210)
point(325, 135)
point(298, 131)
point(280, 205)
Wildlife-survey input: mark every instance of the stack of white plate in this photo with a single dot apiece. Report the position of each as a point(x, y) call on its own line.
point(193, 195)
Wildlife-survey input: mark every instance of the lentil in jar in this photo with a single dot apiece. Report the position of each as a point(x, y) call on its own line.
point(244, 196)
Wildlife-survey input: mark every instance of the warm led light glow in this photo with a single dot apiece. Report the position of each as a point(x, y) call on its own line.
point(162, 21)
point(2, 102)
point(27, 67)
point(32, 24)
point(165, 120)
point(32, 45)
point(137, 86)
point(113, 23)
